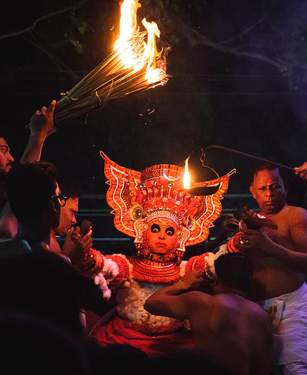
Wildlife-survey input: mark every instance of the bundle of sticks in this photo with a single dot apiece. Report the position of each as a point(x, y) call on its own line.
point(112, 79)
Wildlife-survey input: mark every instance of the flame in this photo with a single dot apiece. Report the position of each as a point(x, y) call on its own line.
point(187, 176)
point(138, 54)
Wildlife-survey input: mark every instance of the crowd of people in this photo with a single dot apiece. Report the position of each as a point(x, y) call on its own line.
point(254, 320)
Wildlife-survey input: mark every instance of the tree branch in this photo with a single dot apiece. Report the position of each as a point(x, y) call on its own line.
point(195, 38)
point(29, 28)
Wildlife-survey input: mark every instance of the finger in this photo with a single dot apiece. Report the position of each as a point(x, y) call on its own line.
point(77, 230)
point(89, 233)
point(86, 242)
point(70, 232)
point(250, 232)
point(245, 247)
point(52, 105)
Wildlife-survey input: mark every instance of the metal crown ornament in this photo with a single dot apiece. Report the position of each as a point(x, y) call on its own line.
point(158, 192)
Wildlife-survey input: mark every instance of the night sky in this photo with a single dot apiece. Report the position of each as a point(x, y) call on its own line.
point(238, 79)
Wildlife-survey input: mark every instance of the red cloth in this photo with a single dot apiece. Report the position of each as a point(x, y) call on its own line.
point(115, 332)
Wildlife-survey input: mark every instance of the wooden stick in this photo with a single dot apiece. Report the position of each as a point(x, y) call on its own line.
point(251, 156)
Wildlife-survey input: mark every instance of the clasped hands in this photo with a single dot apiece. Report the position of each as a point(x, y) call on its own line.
point(75, 247)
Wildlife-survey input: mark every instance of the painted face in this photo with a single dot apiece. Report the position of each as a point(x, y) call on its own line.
point(162, 236)
point(269, 191)
point(6, 159)
point(67, 217)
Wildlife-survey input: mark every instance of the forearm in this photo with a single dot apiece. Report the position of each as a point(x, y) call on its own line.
point(160, 302)
point(34, 148)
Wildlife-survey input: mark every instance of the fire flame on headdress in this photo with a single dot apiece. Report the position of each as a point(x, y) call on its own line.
point(134, 65)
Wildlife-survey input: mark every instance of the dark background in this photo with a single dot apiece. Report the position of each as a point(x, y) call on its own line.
point(238, 79)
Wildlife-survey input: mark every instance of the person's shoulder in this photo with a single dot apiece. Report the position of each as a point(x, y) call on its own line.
point(295, 214)
point(13, 247)
point(196, 297)
point(257, 314)
point(52, 259)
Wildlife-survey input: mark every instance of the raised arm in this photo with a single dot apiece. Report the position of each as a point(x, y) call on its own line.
point(173, 301)
point(41, 126)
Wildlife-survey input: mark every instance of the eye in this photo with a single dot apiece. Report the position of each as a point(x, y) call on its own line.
point(155, 228)
point(170, 231)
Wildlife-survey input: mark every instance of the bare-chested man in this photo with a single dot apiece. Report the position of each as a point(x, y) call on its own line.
point(280, 266)
point(235, 331)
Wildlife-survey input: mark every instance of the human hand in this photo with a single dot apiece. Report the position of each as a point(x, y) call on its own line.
point(301, 171)
point(42, 121)
point(252, 220)
point(192, 280)
point(231, 224)
point(257, 239)
point(75, 247)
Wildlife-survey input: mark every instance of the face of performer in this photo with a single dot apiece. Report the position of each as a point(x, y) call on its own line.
point(67, 217)
point(269, 191)
point(6, 159)
point(162, 236)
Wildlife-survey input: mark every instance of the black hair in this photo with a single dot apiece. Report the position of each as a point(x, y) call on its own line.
point(69, 190)
point(235, 270)
point(260, 165)
point(29, 189)
point(3, 132)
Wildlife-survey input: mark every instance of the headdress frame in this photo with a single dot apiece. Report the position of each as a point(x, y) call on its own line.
point(127, 189)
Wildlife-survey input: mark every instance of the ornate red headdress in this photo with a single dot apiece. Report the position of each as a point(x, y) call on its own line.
point(158, 192)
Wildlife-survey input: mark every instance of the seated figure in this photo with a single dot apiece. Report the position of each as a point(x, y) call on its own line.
point(153, 207)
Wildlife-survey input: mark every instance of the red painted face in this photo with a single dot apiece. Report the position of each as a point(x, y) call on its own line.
point(162, 236)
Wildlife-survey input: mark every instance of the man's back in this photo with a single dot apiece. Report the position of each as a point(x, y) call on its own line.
point(40, 282)
point(234, 330)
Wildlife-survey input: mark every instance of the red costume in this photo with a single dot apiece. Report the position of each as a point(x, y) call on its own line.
point(153, 207)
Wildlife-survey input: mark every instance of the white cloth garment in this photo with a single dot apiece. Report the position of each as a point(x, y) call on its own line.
point(289, 315)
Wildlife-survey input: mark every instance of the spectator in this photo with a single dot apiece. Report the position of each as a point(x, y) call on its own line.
point(33, 279)
point(35, 344)
point(41, 126)
point(75, 245)
point(226, 326)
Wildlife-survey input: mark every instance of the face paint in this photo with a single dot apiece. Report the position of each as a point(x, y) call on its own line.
point(162, 236)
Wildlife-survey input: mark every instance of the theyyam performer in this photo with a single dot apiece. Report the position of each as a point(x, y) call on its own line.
point(153, 207)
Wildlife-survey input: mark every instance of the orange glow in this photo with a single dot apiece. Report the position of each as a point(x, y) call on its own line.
point(134, 52)
point(187, 176)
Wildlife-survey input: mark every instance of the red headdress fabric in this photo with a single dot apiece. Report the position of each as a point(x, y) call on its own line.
point(138, 197)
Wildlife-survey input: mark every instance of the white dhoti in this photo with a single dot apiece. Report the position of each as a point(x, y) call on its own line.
point(289, 314)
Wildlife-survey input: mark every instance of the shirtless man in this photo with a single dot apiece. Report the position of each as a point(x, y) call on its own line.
point(226, 326)
point(280, 266)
